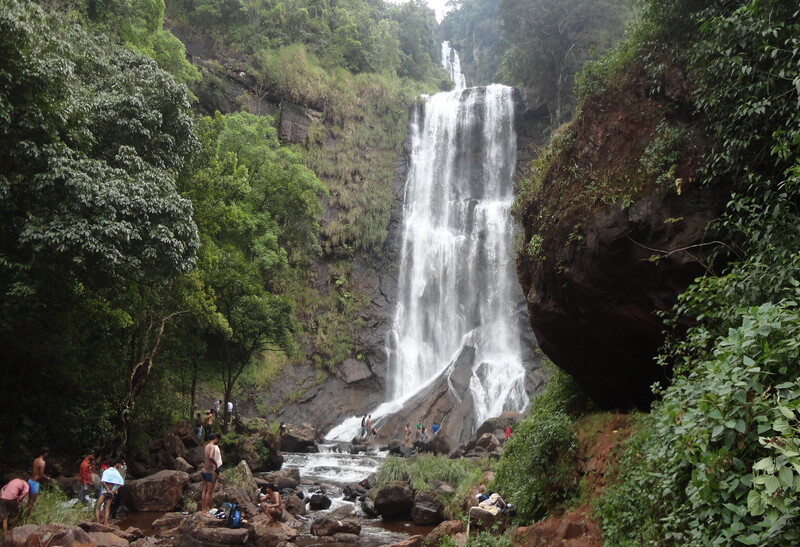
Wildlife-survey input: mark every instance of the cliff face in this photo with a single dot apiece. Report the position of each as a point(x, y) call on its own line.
point(616, 227)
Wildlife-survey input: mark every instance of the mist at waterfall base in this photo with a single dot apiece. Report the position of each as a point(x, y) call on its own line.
point(457, 287)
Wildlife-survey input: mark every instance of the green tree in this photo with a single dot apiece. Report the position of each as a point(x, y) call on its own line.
point(551, 39)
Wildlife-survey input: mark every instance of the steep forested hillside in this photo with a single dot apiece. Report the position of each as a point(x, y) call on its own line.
point(710, 92)
point(145, 247)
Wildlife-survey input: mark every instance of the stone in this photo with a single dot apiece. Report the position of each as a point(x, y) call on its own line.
point(319, 502)
point(159, 492)
point(48, 534)
point(428, 509)
point(353, 492)
point(344, 511)
point(294, 505)
point(200, 529)
point(107, 539)
point(394, 500)
point(413, 541)
point(130, 534)
point(447, 528)
point(439, 444)
point(195, 456)
point(169, 520)
point(352, 370)
point(183, 465)
point(497, 425)
point(299, 439)
point(326, 526)
point(368, 508)
point(272, 534)
point(489, 442)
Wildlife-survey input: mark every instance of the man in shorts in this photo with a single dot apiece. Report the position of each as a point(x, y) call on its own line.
point(85, 475)
point(110, 483)
point(37, 476)
point(212, 461)
point(11, 497)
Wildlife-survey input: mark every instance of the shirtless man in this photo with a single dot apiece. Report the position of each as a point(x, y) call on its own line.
point(270, 502)
point(11, 497)
point(37, 475)
point(210, 471)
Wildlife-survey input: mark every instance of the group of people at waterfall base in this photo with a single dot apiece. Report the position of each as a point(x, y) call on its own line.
point(13, 494)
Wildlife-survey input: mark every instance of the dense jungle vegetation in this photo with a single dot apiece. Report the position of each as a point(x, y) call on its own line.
point(145, 247)
point(717, 461)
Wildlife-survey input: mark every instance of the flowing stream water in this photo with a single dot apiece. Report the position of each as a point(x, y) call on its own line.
point(457, 285)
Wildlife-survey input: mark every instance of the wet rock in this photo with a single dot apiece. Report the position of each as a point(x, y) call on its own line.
point(448, 528)
point(353, 492)
point(319, 502)
point(368, 508)
point(394, 500)
point(345, 511)
point(159, 492)
point(327, 526)
point(299, 439)
point(48, 534)
point(428, 509)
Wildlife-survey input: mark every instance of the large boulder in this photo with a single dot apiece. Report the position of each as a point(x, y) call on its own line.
point(187, 433)
point(199, 529)
point(33, 535)
point(294, 505)
point(428, 509)
point(498, 424)
point(439, 444)
point(159, 492)
point(129, 535)
point(394, 500)
point(319, 502)
point(273, 534)
point(327, 526)
point(300, 439)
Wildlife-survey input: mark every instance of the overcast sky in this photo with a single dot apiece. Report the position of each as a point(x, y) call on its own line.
point(437, 5)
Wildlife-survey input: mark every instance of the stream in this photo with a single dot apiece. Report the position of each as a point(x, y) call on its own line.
point(329, 470)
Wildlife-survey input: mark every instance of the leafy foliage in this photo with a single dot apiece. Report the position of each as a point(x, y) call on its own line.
point(536, 467)
point(715, 463)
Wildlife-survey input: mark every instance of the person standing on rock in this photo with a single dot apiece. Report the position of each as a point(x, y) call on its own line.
point(406, 435)
point(11, 497)
point(37, 476)
point(110, 483)
point(270, 502)
point(85, 475)
point(364, 426)
point(199, 423)
point(207, 423)
point(508, 432)
point(212, 461)
point(368, 424)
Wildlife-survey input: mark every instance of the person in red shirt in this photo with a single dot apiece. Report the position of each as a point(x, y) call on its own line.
point(85, 475)
point(11, 497)
point(508, 432)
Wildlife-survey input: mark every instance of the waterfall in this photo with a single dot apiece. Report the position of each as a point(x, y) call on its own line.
point(457, 283)
point(452, 64)
point(458, 296)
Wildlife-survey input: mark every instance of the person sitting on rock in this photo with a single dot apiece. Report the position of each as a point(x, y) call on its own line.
point(270, 502)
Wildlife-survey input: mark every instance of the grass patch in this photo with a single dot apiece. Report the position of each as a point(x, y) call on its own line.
point(52, 508)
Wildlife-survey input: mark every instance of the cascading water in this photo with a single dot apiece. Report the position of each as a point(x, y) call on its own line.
point(452, 64)
point(457, 287)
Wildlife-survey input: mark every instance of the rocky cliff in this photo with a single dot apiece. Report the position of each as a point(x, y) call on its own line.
point(616, 227)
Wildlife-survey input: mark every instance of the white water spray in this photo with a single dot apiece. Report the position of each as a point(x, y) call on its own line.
point(457, 284)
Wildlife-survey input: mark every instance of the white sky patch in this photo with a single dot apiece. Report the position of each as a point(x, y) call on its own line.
point(439, 6)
